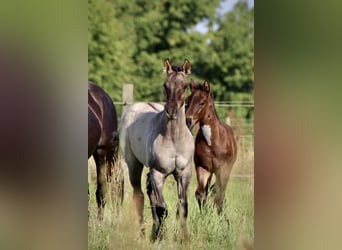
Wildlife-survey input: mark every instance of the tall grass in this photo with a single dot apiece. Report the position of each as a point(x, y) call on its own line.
point(208, 230)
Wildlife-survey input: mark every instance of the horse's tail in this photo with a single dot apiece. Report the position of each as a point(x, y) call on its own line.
point(115, 136)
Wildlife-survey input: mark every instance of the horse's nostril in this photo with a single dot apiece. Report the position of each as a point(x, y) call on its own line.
point(171, 112)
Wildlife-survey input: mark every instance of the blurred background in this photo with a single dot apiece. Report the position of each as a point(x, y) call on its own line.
point(298, 159)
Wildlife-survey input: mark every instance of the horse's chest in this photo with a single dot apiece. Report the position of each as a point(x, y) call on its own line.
point(209, 152)
point(168, 156)
point(206, 131)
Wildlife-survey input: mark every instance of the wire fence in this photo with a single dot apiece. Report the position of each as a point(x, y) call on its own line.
point(244, 165)
point(243, 129)
point(217, 104)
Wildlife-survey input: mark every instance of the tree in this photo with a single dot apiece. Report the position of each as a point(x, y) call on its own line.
point(229, 61)
point(109, 51)
point(162, 28)
point(128, 41)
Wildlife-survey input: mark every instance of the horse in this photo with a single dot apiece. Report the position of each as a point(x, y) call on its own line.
point(215, 145)
point(157, 137)
point(102, 142)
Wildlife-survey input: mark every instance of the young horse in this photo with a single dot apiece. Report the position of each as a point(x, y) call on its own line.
point(157, 137)
point(215, 146)
point(102, 126)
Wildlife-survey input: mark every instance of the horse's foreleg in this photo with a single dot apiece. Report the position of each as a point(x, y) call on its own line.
point(182, 207)
point(203, 177)
point(155, 181)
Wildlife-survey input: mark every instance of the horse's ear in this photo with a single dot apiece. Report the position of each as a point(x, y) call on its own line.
point(192, 85)
point(206, 86)
point(167, 66)
point(186, 66)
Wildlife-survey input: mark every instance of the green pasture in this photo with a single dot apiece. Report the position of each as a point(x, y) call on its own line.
point(208, 230)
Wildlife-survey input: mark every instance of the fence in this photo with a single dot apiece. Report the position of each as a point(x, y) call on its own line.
point(244, 132)
point(238, 114)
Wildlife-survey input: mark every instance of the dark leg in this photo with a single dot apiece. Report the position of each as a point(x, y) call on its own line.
point(203, 178)
point(182, 207)
point(155, 181)
point(101, 184)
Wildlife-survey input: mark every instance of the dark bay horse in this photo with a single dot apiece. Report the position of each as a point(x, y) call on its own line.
point(157, 137)
point(102, 145)
point(215, 146)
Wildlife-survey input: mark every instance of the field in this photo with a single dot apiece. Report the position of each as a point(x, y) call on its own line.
point(208, 230)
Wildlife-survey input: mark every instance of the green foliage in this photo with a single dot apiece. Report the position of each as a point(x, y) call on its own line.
point(233, 50)
point(128, 41)
point(109, 50)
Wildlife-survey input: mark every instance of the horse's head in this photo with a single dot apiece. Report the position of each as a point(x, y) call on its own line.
point(197, 103)
point(175, 86)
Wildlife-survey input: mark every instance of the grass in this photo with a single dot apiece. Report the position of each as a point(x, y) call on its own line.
point(208, 230)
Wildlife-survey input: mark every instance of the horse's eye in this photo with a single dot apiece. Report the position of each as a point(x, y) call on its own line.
point(201, 103)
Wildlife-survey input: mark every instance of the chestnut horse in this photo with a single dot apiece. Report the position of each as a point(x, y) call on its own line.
point(215, 146)
point(102, 127)
point(157, 137)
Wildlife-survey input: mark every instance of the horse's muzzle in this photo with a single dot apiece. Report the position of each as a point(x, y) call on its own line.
point(171, 113)
point(189, 123)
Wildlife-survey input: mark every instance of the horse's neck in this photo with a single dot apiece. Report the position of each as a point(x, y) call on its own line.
point(210, 118)
point(176, 128)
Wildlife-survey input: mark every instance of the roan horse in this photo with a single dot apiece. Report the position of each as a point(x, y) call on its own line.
point(215, 146)
point(157, 137)
point(102, 127)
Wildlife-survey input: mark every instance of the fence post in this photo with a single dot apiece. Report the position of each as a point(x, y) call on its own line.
point(127, 96)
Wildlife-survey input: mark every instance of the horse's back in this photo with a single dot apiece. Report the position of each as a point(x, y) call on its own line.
point(134, 112)
point(103, 107)
point(145, 107)
point(136, 124)
point(230, 142)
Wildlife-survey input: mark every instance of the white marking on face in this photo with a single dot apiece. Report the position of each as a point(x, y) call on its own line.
point(206, 130)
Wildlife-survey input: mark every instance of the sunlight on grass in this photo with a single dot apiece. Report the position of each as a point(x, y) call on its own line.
point(208, 230)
